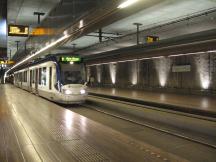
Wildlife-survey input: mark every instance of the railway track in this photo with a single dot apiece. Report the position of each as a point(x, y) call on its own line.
point(138, 118)
point(149, 126)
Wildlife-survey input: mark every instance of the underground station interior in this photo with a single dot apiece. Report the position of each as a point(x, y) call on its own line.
point(108, 80)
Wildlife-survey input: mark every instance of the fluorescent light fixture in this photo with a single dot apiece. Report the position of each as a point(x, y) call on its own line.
point(127, 3)
point(146, 58)
point(157, 57)
point(39, 52)
point(212, 51)
point(81, 24)
point(128, 60)
point(65, 32)
point(195, 53)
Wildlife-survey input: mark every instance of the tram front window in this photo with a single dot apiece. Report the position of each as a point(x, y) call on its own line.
point(72, 74)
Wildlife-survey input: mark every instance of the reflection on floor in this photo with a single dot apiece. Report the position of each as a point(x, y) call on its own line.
point(34, 129)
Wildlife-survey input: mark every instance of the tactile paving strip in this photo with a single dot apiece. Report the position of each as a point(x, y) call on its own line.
point(63, 135)
point(83, 152)
point(148, 153)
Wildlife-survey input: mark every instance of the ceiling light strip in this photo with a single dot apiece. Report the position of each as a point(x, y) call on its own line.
point(127, 3)
point(39, 52)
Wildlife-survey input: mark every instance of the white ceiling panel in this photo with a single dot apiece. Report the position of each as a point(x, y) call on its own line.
point(163, 12)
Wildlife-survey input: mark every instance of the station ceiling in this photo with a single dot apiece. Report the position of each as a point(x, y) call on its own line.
point(118, 33)
point(59, 15)
point(161, 13)
point(21, 12)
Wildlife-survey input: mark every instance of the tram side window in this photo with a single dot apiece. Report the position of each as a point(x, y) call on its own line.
point(25, 76)
point(30, 77)
point(22, 76)
point(26, 73)
point(19, 78)
point(50, 78)
point(33, 76)
point(36, 76)
point(40, 71)
point(43, 76)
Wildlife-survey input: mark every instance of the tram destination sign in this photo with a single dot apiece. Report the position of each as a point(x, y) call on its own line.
point(70, 59)
point(18, 30)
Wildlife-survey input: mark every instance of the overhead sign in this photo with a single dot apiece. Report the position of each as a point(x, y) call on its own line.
point(8, 62)
point(181, 68)
point(70, 59)
point(150, 39)
point(43, 31)
point(18, 30)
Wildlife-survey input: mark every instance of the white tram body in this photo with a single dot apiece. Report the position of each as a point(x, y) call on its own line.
point(58, 78)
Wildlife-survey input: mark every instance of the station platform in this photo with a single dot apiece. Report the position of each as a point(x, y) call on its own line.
point(195, 104)
point(35, 129)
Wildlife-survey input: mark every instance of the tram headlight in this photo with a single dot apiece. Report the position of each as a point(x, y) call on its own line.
point(82, 91)
point(68, 92)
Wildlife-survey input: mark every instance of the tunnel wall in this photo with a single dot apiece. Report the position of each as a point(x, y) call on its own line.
point(157, 74)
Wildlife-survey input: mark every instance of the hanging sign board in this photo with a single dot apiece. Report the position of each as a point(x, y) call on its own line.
point(8, 62)
point(151, 39)
point(18, 30)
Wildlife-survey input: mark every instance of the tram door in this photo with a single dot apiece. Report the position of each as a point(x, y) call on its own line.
point(36, 80)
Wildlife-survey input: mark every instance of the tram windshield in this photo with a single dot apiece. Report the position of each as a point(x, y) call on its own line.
point(72, 74)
